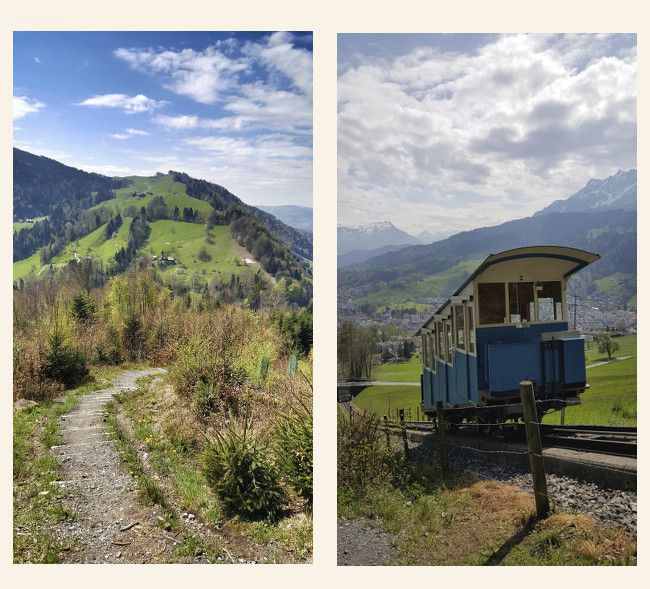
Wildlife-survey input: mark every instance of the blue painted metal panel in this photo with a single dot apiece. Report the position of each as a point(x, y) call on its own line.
point(507, 335)
point(574, 361)
point(512, 363)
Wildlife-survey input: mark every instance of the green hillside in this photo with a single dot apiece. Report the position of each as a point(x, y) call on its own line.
point(173, 193)
point(395, 297)
point(94, 245)
point(184, 241)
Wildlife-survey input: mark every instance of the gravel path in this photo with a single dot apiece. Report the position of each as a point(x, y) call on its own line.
point(110, 526)
point(362, 542)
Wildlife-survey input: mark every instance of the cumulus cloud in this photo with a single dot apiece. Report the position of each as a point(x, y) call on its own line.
point(280, 102)
point(436, 138)
point(128, 104)
point(201, 75)
point(24, 106)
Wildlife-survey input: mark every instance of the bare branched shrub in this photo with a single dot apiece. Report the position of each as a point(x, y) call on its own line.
point(363, 457)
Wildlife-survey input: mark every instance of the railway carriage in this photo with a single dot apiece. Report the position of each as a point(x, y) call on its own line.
point(506, 323)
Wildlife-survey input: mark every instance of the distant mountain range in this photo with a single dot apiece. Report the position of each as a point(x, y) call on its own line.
point(601, 218)
point(295, 216)
point(371, 237)
point(616, 192)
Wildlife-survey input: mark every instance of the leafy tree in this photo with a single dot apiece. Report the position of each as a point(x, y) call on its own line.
point(606, 344)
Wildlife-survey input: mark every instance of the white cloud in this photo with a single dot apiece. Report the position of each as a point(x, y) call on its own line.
point(37, 60)
point(129, 104)
point(129, 133)
point(201, 75)
point(177, 122)
point(435, 139)
point(280, 55)
point(24, 106)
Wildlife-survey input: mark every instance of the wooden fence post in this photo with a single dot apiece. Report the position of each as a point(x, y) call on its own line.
point(440, 415)
point(387, 432)
point(417, 409)
point(533, 438)
point(404, 438)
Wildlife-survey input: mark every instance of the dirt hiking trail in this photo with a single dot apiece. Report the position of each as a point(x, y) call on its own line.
point(110, 526)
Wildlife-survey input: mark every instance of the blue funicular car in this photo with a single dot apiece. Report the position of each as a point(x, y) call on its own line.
point(506, 323)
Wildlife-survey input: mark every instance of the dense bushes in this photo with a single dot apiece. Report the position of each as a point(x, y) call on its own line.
point(294, 448)
point(243, 475)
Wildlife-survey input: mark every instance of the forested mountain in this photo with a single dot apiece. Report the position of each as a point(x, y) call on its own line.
point(220, 198)
point(41, 183)
point(196, 234)
point(410, 272)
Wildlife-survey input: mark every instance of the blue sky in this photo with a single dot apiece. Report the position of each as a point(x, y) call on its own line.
point(447, 132)
point(233, 108)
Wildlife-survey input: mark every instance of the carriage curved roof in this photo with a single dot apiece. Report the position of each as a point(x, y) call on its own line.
point(574, 259)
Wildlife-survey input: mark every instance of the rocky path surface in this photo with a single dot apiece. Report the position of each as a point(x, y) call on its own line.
point(362, 542)
point(110, 526)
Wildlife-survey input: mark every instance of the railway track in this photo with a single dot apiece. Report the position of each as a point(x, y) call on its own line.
point(616, 440)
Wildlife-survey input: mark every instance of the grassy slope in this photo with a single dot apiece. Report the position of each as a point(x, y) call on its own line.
point(440, 284)
point(94, 244)
point(174, 194)
point(399, 371)
point(183, 241)
point(378, 400)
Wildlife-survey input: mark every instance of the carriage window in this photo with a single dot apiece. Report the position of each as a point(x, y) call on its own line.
point(491, 302)
point(549, 301)
point(470, 329)
point(441, 342)
point(521, 301)
point(459, 323)
point(449, 341)
point(432, 350)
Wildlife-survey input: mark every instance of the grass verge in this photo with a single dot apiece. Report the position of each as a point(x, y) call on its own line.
point(37, 498)
point(171, 435)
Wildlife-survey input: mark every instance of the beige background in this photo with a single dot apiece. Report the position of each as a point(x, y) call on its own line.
point(326, 20)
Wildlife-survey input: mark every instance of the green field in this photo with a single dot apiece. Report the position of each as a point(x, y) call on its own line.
point(19, 226)
point(94, 244)
point(183, 241)
point(398, 371)
point(174, 194)
point(441, 284)
point(379, 399)
point(627, 347)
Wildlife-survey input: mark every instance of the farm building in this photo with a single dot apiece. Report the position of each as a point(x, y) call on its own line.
point(506, 323)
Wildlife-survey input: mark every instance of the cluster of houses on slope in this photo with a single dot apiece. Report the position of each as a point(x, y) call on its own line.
point(164, 260)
